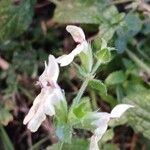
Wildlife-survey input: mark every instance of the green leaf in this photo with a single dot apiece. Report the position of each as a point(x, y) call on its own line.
point(134, 24)
point(116, 77)
point(109, 134)
point(121, 44)
point(64, 132)
point(79, 111)
point(104, 55)
point(81, 72)
point(15, 19)
point(5, 117)
point(61, 110)
point(76, 144)
point(84, 107)
point(98, 86)
point(86, 58)
point(77, 12)
point(80, 115)
point(139, 117)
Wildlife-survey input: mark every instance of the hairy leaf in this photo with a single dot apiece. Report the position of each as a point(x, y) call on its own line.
point(98, 86)
point(139, 117)
point(115, 78)
point(14, 19)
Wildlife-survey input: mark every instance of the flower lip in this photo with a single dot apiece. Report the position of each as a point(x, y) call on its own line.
point(76, 32)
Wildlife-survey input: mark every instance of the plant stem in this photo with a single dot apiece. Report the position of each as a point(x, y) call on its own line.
point(94, 103)
point(81, 91)
point(95, 67)
point(85, 83)
point(61, 145)
point(140, 63)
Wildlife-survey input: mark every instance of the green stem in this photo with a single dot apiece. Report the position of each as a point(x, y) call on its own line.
point(61, 145)
point(81, 91)
point(95, 67)
point(85, 83)
point(94, 103)
point(140, 63)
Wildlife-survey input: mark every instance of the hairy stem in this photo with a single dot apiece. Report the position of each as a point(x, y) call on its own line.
point(94, 103)
point(81, 91)
point(85, 83)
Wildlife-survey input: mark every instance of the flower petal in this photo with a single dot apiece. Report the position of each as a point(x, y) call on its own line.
point(102, 124)
point(34, 108)
point(94, 143)
point(76, 32)
point(35, 122)
point(65, 60)
point(53, 68)
point(51, 72)
point(99, 132)
point(119, 110)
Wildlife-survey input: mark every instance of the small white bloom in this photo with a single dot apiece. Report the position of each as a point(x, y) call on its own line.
point(51, 72)
point(50, 95)
point(102, 123)
point(79, 37)
point(76, 32)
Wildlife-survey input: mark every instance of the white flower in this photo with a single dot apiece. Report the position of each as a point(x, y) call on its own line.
point(79, 37)
point(102, 123)
point(50, 74)
point(50, 95)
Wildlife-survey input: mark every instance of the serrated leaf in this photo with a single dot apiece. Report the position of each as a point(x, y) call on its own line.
point(84, 107)
point(104, 55)
point(77, 112)
point(14, 19)
point(116, 77)
point(80, 115)
point(64, 132)
point(76, 144)
point(139, 117)
point(98, 86)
